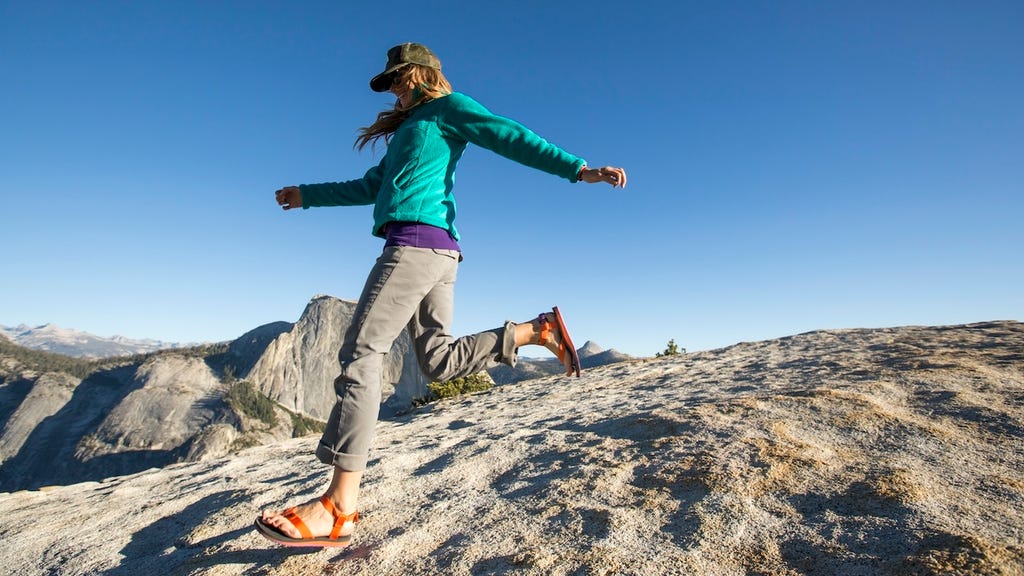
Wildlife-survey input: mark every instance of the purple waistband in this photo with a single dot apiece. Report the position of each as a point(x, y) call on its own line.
point(419, 235)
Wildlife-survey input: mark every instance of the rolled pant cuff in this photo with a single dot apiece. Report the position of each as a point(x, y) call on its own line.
point(347, 462)
point(509, 352)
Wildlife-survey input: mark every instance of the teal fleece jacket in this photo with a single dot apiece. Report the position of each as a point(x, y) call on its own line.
point(414, 180)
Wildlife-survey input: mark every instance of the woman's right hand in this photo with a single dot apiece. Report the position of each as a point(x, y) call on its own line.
point(289, 197)
point(610, 174)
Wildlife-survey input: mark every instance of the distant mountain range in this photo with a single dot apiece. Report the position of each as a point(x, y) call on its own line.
point(77, 407)
point(52, 338)
point(591, 356)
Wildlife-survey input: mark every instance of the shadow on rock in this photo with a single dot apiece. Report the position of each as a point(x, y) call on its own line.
point(176, 544)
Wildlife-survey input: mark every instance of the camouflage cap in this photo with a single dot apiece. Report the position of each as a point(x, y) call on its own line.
point(398, 56)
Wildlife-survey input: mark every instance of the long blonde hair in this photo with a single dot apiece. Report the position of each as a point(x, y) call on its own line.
point(430, 84)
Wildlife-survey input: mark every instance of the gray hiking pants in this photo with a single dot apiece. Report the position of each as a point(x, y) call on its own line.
point(414, 288)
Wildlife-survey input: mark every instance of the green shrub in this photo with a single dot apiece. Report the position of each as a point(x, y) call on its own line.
point(479, 382)
point(303, 425)
point(27, 359)
point(243, 442)
point(671, 350)
point(244, 397)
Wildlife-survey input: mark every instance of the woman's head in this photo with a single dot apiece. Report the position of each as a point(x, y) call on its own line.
point(402, 56)
point(414, 84)
point(413, 74)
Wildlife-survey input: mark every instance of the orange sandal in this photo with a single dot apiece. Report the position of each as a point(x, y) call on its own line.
point(335, 540)
point(564, 342)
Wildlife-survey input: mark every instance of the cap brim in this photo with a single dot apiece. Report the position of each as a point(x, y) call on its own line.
point(380, 83)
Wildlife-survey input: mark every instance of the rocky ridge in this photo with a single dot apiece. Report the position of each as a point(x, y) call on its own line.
point(131, 413)
point(139, 412)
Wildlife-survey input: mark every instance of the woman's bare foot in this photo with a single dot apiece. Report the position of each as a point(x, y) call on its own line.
point(322, 526)
point(313, 514)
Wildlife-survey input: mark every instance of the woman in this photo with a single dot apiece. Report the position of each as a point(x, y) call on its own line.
point(411, 286)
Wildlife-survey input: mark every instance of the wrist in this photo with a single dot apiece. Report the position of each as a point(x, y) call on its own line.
point(579, 175)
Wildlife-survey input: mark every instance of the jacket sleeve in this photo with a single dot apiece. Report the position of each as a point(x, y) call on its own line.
point(469, 120)
point(358, 192)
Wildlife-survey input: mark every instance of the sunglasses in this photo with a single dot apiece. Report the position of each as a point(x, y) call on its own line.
point(394, 76)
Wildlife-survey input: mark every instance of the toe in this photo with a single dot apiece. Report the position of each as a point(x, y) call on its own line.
point(276, 520)
point(282, 525)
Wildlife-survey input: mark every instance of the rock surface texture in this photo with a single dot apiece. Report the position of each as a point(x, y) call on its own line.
point(890, 451)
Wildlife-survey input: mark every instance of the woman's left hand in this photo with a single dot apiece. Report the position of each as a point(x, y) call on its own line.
point(289, 197)
point(614, 176)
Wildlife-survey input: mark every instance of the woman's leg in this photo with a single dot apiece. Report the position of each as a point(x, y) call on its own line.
point(443, 357)
point(405, 283)
point(398, 282)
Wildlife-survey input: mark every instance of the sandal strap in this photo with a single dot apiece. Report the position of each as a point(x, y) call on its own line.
point(545, 329)
point(545, 335)
point(291, 516)
point(339, 518)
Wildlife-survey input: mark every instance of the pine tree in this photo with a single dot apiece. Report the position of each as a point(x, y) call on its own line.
point(671, 350)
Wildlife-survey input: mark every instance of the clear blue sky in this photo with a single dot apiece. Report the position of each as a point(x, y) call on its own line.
point(792, 165)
